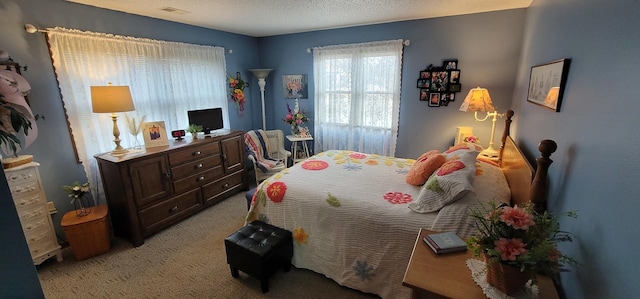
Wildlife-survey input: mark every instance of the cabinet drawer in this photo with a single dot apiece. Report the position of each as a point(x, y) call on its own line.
point(162, 214)
point(198, 179)
point(33, 213)
point(21, 176)
point(198, 166)
point(216, 191)
point(192, 153)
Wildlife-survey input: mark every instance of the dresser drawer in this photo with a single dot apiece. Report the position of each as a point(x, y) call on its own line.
point(192, 153)
point(162, 214)
point(217, 190)
point(198, 179)
point(27, 200)
point(35, 225)
point(24, 190)
point(32, 214)
point(21, 176)
point(191, 168)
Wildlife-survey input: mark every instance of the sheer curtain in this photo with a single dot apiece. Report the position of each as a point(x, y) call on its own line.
point(357, 96)
point(165, 78)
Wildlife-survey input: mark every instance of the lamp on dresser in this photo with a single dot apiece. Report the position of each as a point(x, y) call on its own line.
point(262, 74)
point(112, 99)
point(479, 100)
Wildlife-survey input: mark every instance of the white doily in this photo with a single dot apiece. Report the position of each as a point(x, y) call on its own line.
point(478, 273)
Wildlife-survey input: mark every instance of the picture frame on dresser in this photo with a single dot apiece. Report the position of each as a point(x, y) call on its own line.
point(154, 134)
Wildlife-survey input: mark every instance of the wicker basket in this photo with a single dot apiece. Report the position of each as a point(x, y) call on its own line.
point(10, 162)
point(506, 278)
point(89, 238)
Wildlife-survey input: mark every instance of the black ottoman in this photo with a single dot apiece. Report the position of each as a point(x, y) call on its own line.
point(259, 249)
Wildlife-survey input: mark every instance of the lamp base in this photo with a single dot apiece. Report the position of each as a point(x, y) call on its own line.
point(489, 152)
point(119, 151)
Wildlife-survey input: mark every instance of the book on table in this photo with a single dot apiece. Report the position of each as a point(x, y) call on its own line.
point(445, 242)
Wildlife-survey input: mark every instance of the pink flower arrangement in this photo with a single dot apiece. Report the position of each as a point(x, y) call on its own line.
point(472, 139)
point(521, 237)
point(237, 86)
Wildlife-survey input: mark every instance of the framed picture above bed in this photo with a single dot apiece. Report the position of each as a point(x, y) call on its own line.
point(547, 82)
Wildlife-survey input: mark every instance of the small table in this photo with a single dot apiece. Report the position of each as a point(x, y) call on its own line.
point(447, 276)
point(88, 235)
point(294, 147)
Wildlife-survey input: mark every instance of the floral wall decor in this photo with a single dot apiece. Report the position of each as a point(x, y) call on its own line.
point(294, 86)
point(236, 92)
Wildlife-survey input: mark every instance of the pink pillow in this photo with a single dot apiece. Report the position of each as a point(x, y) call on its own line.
point(425, 165)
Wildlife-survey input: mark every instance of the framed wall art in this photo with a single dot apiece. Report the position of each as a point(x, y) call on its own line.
point(434, 99)
point(547, 82)
point(294, 86)
point(439, 84)
point(155, 134)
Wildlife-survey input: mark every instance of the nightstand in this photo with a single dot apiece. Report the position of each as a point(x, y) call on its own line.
point(446, 275)
point(294, 147)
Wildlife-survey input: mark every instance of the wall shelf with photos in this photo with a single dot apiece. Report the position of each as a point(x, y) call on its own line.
point(439, 84)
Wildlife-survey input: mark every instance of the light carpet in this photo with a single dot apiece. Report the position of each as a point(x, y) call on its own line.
point(187, 260)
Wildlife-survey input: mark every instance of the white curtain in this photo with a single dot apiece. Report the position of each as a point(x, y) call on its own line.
point(166, 80)
point(357, 96)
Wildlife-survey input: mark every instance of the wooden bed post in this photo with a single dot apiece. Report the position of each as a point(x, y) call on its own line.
point(507, 127)
point(539, 192)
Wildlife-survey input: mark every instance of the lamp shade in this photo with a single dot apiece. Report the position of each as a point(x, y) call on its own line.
point(478, 99)
point(552, 97)
point(109, 99)
point(261, 73)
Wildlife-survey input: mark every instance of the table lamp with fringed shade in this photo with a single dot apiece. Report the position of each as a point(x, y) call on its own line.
point(112, 99)
point(479, 100)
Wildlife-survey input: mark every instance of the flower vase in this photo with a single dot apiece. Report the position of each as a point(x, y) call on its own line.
point(506, 278)
point(82, 206)
point(295, 130)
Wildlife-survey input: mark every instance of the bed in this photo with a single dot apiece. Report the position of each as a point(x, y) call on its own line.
point(350, 212)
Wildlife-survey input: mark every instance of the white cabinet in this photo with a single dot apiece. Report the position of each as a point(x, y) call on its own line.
point(31, 205)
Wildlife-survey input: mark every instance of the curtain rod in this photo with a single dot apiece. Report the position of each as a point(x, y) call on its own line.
point(405, 43)
point(30, 28)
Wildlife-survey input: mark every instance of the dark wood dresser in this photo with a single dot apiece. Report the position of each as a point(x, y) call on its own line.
point(150, 190)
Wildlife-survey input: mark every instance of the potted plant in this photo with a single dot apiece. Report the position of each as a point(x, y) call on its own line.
point(78, 193)
point(518, 243)
point(194, 129)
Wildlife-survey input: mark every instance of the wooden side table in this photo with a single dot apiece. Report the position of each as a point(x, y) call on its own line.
point(447, 276)
point(88, 235)
point(294, 147)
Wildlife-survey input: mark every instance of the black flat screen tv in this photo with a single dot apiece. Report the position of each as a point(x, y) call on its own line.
point(209, 119)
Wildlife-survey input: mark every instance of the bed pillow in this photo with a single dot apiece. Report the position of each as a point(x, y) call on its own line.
point(462, 148)
point(424, 166)
point(449, 183)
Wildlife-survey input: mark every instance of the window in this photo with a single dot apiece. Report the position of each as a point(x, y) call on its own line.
point(166, 80)
point(357, 96)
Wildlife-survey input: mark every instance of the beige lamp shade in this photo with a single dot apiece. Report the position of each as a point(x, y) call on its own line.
point(478, 99)
point(552, 97)
point(110, 99)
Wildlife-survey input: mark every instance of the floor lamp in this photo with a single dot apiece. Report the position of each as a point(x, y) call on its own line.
point(262, 74)
point(479, 100)
point(112, 99)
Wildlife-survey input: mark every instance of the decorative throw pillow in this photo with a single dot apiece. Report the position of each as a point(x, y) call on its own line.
point(447, 184)
point(424, 166)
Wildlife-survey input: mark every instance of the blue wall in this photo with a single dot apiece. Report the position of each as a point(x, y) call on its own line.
point(596, 166)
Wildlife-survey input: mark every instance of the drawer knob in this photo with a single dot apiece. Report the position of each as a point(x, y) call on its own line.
point(175, 208)
point(196, 153)
point(226, 185)
point(199, 165)
point(201, 178)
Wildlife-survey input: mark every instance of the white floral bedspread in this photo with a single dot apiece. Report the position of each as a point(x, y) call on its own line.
point(349, 217)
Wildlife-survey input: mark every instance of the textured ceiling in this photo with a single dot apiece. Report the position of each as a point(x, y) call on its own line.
point(273, 17)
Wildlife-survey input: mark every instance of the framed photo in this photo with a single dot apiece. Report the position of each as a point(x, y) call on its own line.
point(423, 83)
point(547, 82)
point(454, 76)
point(294, 86)
point(425, 74)
point(450, 64)
point(424, 94)
point(455, 87)
point(440, 81)
point(434, 99)
point(155, 134)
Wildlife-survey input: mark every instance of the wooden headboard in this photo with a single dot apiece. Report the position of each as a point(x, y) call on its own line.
point(526, 184)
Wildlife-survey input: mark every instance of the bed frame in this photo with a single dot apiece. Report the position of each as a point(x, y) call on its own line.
point(526, 184)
